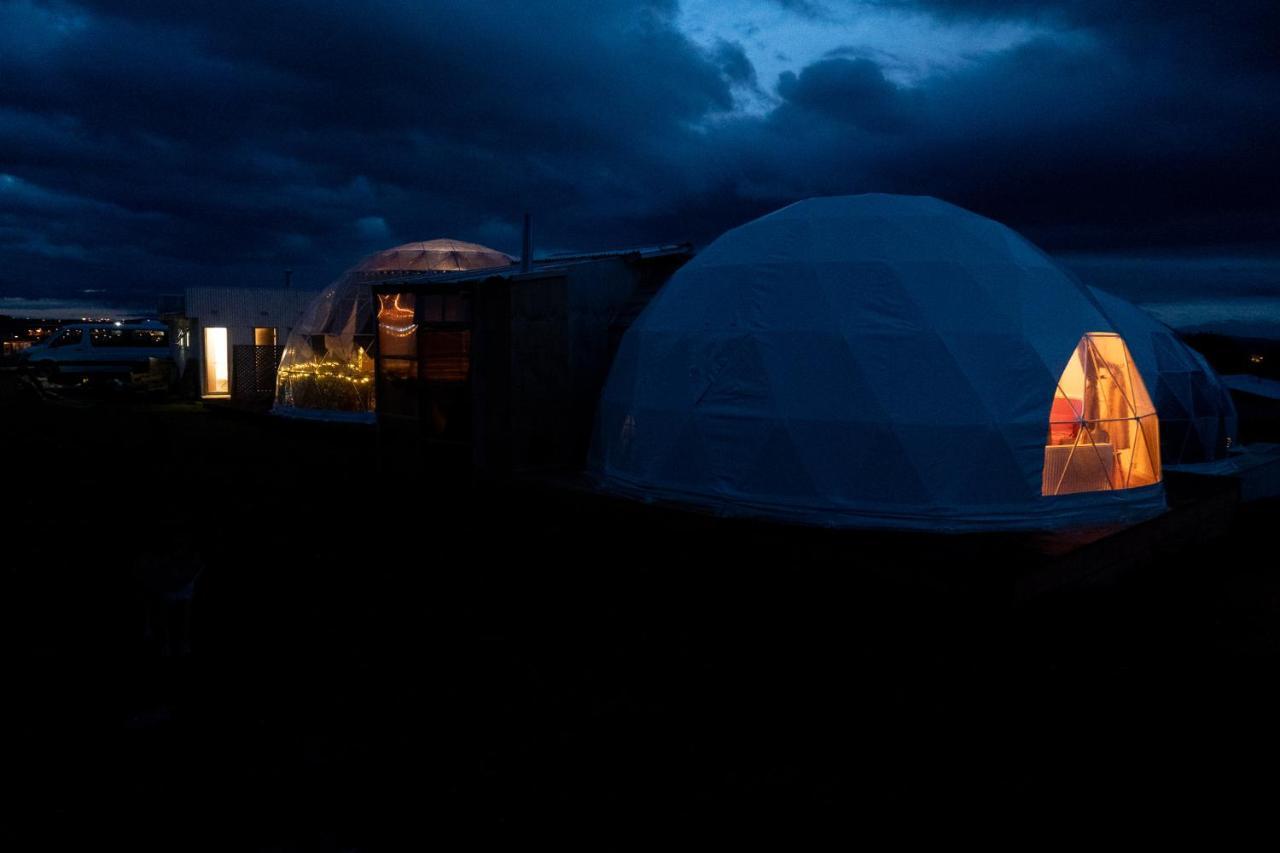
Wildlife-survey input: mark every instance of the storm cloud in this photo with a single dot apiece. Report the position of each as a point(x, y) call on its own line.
point(145, 146)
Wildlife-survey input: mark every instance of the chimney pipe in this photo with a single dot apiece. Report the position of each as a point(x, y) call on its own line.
point(526, 248)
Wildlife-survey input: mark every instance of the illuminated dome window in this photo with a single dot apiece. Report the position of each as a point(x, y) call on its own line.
point(1103, 431)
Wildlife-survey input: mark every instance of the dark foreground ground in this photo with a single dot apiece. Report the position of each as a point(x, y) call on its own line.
point(386, 659)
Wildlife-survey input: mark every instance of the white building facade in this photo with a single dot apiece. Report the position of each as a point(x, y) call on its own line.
point(215, 321)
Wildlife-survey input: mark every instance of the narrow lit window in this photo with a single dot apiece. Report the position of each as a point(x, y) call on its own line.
point(398, 391)
point(264, 336)
point(1103, 433)
point(217, 363)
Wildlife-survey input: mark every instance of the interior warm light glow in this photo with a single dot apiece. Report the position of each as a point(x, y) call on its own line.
point(217, 362)
point(1103, 432)
point(448, 355)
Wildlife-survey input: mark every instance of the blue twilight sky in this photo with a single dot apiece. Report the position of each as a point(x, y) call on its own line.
point(146, 146)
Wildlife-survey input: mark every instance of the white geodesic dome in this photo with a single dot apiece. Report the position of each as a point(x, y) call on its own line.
point(326, 370)
point(880, 361)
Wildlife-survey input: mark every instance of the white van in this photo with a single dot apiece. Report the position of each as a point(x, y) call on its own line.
point(99, 349)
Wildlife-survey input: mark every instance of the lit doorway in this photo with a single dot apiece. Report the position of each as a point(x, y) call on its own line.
point(217, 363)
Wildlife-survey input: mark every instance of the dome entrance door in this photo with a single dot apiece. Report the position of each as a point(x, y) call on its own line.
point(1103, 432)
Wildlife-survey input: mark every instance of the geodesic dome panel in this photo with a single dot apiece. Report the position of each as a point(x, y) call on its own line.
point(327, 369)
point(432, 256)
point(1198, 419)
point(879, 361)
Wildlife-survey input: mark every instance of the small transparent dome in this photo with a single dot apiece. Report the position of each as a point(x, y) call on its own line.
point(326, 371)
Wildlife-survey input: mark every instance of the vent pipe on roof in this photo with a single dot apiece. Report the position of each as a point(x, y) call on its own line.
point(526, 244)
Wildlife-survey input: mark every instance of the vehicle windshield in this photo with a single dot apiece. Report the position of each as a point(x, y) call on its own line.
point(115, 336)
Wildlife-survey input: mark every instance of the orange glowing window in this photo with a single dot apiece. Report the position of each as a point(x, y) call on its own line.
point(397, 328)
point(1103, 432)
point(447, 355)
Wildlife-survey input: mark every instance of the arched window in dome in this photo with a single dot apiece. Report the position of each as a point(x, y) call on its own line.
point(1103, 432)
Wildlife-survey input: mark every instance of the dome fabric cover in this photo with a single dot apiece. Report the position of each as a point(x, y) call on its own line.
point(1197, 416)
point(326, 370)
point(864, 361)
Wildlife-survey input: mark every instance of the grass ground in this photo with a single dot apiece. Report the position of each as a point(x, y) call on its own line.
point(381, 658)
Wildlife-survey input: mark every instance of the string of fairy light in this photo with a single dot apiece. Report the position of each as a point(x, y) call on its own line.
point(327, 382)
point(343, 371)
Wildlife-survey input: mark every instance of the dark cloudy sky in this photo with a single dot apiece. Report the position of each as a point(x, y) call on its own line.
point(149, 145)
